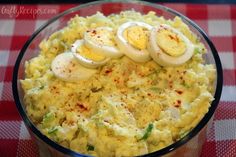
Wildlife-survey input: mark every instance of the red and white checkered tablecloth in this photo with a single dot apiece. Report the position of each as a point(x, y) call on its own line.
point(18, 22)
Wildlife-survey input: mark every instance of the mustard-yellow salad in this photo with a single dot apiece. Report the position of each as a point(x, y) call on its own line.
point(120, 85)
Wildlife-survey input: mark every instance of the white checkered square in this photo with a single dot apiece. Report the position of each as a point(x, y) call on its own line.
point(24, 134)
point(39, 23)
point(219, 28)
point(227, 60)
point(228, 93)
point(225, 129)
point(7, 92)
point(4, 55)
point(7, 27)
point(24, 27)
point(9, 129)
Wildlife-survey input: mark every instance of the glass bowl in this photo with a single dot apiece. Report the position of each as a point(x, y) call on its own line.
point(189, 145)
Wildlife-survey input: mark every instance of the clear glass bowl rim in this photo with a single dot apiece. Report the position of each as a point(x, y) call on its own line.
point(164, 151)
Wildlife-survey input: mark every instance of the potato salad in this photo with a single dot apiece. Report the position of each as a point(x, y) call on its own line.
point(125, 84)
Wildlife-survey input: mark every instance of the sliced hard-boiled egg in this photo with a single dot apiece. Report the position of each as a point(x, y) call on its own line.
point(66, 67)
point(86, 56)
point(168, 46)
point(101, 40)
point(132, 39)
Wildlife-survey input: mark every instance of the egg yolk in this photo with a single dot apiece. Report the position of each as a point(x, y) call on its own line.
point(87, 53)
point(170, 43)
point(137, 37)
point(102, 37)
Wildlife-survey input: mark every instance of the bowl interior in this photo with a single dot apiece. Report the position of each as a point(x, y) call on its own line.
point(31, 49)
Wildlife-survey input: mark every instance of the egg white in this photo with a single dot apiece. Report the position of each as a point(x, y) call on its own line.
point(161, 57)
point(66, 67)
point(130, 51)
point(89, 63)
point(103, 49)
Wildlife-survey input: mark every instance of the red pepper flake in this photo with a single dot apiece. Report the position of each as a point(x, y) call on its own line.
point(149, 94)
point(94, 31)
point(178, 103)
point(179, 92)
point(81, 106)
point(181, 77)
point(170, 84)
point(171, 37)
point(106, 121)
point(108, 71)
point(70, 123)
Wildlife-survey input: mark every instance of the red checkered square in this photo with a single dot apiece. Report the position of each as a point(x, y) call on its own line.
point(5, 42)
point(26, 11)
point(18, 42)
point(8, 147)
point(1, 89)
point(226, 148)
point(64, 7)
point(178, 7)
point(226, 110)
point(223, 44)
point(9, 73)
point(234, 44)
point(7, 11)
point(47, 11)
point(27, 148)
point(196, 11)
point(214, 13)
point(233, 11)
point(24, 27)
point(209, 149)
point(8, 111)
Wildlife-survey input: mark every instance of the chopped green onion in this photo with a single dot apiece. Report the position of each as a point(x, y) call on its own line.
point(186, 85)
point(90, 148)
point(52, 130)
point(48, 117)
point(183, 134)
point(155, 88)
point(147, 132)
point(196, 50)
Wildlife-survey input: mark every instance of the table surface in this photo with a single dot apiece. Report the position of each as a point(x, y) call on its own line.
point(219, 22)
